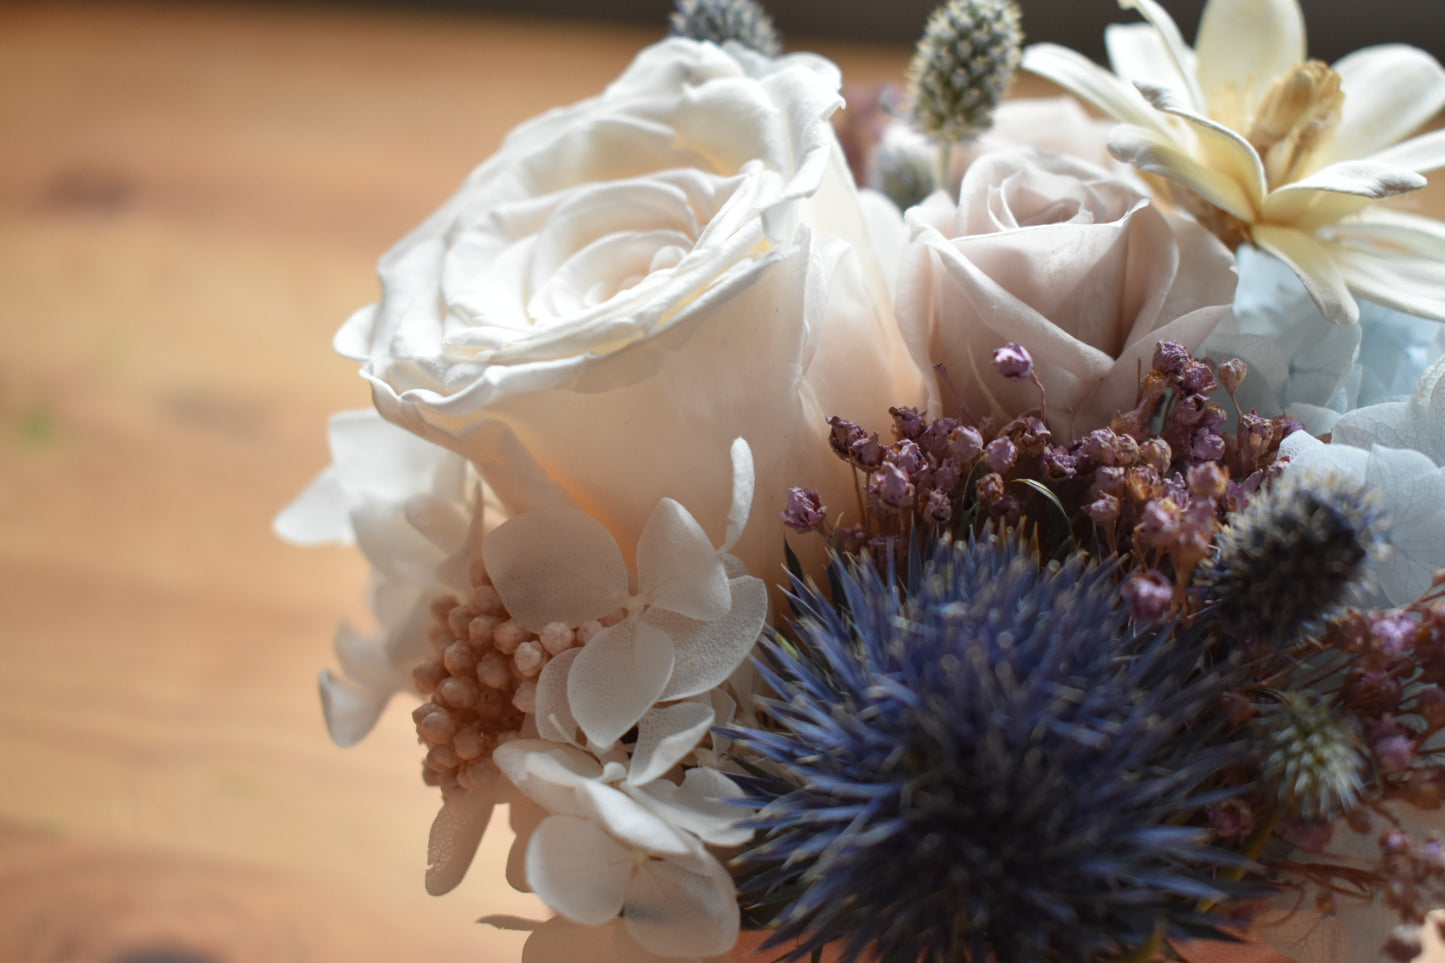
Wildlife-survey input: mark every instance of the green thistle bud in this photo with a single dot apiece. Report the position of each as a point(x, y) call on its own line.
point(743, 21)
point(963, 66)
point(1291, 559)
point(903, 166)
point(1310, 760)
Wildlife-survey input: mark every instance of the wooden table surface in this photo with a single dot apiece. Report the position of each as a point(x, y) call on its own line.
point(191, 200)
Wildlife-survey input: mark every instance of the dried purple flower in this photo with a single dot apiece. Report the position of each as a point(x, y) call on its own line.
point(805, 511)
point(1149, 595)
point(1013, 361)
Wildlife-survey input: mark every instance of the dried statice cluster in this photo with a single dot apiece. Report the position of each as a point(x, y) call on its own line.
point(1153, 486)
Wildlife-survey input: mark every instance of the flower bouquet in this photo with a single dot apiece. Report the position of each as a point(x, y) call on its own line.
point(1034, 555)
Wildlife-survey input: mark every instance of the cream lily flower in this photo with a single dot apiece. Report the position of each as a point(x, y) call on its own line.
point(1265, 146)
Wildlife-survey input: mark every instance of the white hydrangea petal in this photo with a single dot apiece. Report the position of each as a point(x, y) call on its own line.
point(632, 823)
point(439, 520)
point(1391, 90)
point(350, 710)
point(554, 716)
point(556, 564)
point(708, 652)
point(677, 566)
point(579, 870)
point(1427, 413)
point(1413, 489)
point(1243, 47)
point(559, 940)
point(546, 772)
point(665, 736)
point(455, 834)
point(701, 805)
point(744, 473)
point(320, 514)
point(619, 675)
point(523, 818)
point(682, 906)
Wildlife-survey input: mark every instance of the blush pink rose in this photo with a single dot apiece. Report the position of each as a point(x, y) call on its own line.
point(1063, 258)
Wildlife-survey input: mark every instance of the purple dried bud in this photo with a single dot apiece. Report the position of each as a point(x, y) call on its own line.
point(805, 511)
point(1394, 632)
point(1109, 481)
point(893, 487)
point(1255, 435)
point(1155, 453)
point(1197, 378)
point(867, 452)
point(1207, 481)
point(908, 457)
point(1001, 454)
point(1101, 445)
point(946, 478)
point(1207, 445)
point(1395, 842)
point(1432, 706)
point(1231, 819)
point(934, 439)
point(1058, 464)
point(843, 436)
point(907, 422)
point(1013, 361)
point(990, 488)
point(1103, 511)
point(938, 509)
point(965, 444)
point(1158, 524)
point(1149, 594)
point(1231, 374)
point(1393, 747)
point(1170, 357)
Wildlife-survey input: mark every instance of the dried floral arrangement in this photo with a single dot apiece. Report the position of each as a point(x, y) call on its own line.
point(1035, 554)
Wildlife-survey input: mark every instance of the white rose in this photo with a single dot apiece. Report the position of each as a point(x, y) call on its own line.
point(1072, 263)
point(636, 280)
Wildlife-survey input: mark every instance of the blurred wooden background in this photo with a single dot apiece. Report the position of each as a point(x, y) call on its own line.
point(191, 200)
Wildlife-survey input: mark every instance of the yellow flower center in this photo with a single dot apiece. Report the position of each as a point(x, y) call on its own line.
point(1296, 119)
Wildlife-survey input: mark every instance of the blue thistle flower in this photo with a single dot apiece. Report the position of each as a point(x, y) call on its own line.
point(992, 763)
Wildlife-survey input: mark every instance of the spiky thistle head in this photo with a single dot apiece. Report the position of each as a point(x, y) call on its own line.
point(990, 765)
point(1310, 759)
point(743, 21)
point(963, 66)
point(1291, 559)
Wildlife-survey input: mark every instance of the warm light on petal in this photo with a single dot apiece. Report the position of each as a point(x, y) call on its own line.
point(1391, 91)
point(1139, 55)
point(1423, 153)
point(1336, 192)
point(1156, 154)
point(1087, 80)
point(1310, 259)
point(666, 735)
point(1174, 43)
point(678, 568)
point(455, 834)
point(1243, 47)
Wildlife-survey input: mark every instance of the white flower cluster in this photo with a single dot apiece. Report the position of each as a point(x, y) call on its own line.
point(623, 337)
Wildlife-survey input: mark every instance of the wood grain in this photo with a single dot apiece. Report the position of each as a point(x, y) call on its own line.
point(192, 199)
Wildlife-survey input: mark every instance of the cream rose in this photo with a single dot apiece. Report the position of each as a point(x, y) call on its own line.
point(634, 281)
point(1057, 255)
